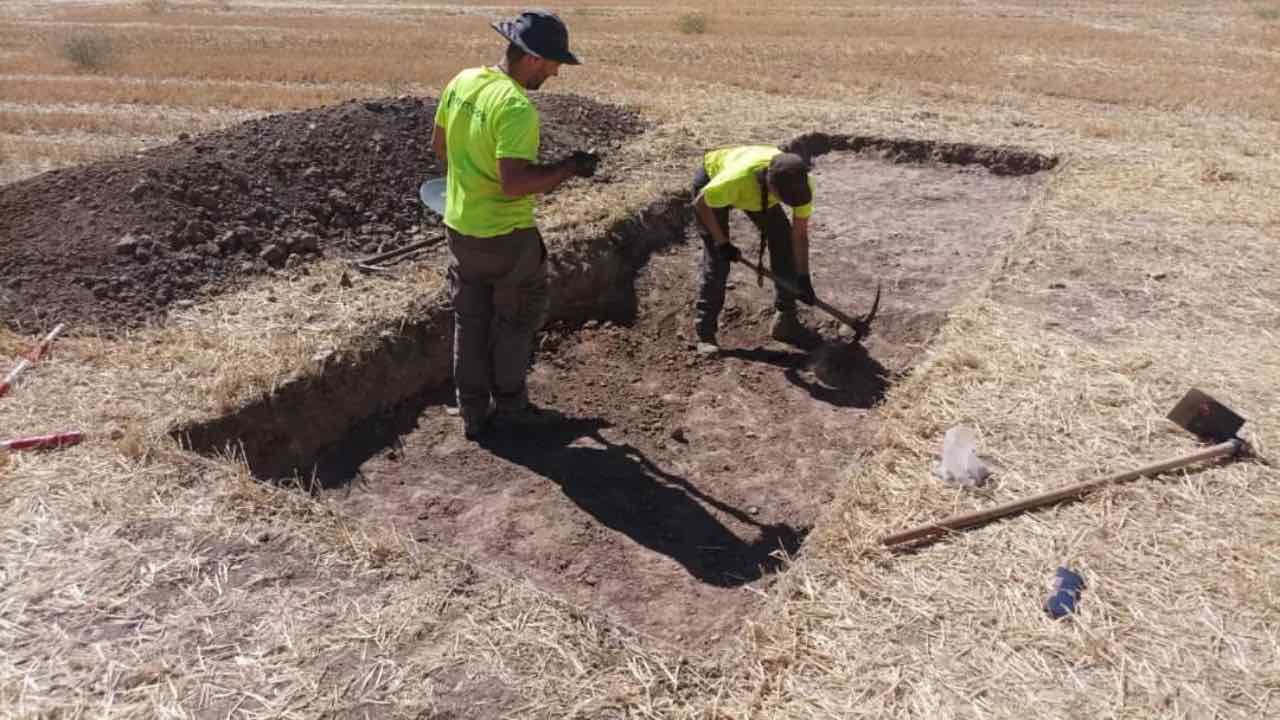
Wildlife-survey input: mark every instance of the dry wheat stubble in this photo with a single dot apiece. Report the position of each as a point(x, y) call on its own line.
point(954, 633)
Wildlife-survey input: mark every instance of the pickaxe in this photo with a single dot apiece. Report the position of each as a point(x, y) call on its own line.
point(860, 326)
point(1196, 412)
point(371, 263)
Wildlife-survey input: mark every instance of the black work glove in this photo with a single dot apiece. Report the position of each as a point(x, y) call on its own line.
point(727, 252)
point(805, 286)
point(584, 163)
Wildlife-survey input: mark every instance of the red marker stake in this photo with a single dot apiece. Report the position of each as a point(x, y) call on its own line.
point(36, 353)
point(41, 442)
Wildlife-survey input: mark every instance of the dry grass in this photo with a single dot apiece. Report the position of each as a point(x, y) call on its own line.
point(1161, 631)
point(234, 95)
point(299, 54)
point(140, 581)
point(113, 120)
point(88, 52)
point(692, 23)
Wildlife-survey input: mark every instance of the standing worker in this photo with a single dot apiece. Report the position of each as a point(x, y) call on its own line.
point(757, 179)
point(486, 134)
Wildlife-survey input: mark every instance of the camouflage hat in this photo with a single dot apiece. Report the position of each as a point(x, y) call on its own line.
point(540, 33)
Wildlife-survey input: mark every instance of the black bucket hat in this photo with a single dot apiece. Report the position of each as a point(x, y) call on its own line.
point(540, 33)
point(789, 174)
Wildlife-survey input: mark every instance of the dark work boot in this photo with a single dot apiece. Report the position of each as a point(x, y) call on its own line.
point(788, 329)
point(707, 344)
point(474, 428)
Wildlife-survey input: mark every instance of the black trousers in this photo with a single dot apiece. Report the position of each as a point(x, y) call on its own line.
point(775, 230)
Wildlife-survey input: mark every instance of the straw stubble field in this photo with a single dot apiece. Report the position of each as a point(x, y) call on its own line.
point(139, 580)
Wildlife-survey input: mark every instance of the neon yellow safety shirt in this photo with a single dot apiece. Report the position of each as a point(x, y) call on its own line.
point(733, 178)
point(486, 115)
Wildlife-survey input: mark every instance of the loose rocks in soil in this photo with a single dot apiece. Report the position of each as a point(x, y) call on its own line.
point(113, 243)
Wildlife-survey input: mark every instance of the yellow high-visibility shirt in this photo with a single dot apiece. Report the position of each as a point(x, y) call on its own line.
point(486, 116)
point(734, 182)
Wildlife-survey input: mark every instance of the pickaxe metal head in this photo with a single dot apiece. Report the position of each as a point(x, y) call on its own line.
point(863, 325)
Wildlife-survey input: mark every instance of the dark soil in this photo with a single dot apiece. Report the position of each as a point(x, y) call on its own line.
point(111, 245)
point(679, 483)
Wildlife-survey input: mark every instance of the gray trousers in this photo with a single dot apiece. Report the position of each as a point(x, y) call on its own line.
point(775, 230)
point(498, 289)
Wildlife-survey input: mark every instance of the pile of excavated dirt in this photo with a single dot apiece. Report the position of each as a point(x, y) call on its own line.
point(112, 244)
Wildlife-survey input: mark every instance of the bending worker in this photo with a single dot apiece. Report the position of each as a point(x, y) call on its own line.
point(487, 134)
point(759, 180)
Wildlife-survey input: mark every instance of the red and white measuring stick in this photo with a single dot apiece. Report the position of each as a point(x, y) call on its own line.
point(36, 353)
point(40, 442)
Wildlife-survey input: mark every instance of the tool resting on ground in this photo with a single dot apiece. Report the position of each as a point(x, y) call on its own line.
point(1196, 412)
point(38, 352)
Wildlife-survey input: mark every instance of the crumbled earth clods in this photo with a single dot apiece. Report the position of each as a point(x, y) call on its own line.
point(114, 243)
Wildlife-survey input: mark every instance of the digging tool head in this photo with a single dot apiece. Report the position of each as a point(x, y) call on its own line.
point(863, 327)
point(1200, 414)
point(432, 194)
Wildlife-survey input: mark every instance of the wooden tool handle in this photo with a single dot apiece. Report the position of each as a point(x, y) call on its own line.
point(978, 517)
point(36, 353)
point(400, 251)
point(818, 303)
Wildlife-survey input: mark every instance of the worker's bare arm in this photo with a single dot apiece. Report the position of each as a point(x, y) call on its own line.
point(708, 218)
point(521, 177)
point(440, 149)
point(800, 244)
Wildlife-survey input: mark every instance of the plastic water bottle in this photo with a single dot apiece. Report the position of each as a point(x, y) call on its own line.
point(1066, 591)
point(960, 463)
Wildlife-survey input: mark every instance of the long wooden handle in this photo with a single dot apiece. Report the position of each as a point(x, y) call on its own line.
point(400, 251)
point(957, 522)
point(818, 303)
point(39, 351)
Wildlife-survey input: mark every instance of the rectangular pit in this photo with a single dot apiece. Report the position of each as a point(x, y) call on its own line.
point(677, 480)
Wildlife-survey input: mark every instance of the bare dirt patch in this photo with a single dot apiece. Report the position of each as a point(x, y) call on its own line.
point(680, 483)
point(114, 243)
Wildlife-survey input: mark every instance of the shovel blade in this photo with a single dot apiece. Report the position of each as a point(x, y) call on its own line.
point(431, 192)
point(1200, 414)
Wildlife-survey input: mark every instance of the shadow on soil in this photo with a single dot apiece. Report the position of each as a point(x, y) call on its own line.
point(622, 489)
point(848, 376)
point(339, 464)
point(617, 484)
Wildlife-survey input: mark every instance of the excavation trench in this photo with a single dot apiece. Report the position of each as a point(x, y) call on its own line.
point(677, 481)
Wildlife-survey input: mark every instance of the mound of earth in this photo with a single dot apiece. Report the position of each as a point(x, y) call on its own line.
point(112, 244)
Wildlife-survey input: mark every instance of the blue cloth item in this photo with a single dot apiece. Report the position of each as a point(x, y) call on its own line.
point(1066, 591)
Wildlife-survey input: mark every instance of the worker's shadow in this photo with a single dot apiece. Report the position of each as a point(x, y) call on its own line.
point(339, 465)
point(622, 489)
point(838, 373)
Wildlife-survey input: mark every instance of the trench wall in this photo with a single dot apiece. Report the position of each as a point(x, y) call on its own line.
point(282, 433)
